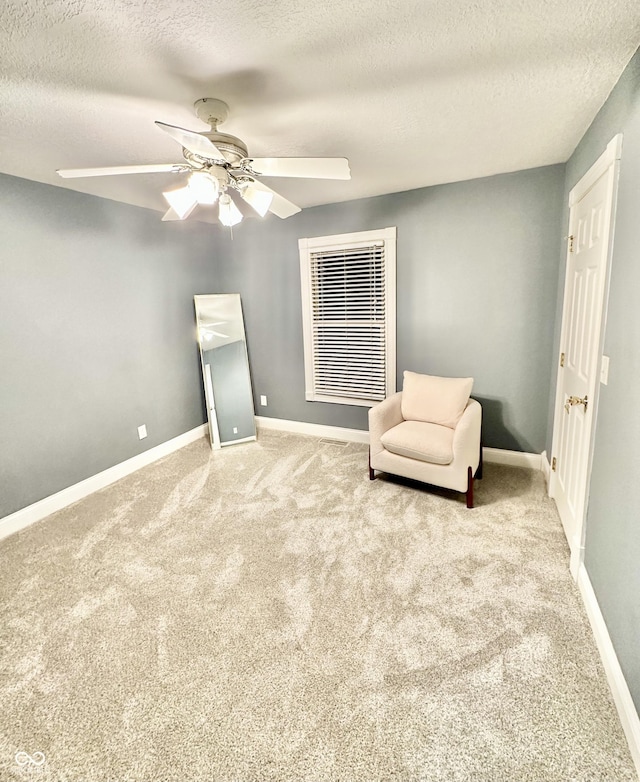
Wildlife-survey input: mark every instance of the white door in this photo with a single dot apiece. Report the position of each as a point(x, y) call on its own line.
point(592, 205)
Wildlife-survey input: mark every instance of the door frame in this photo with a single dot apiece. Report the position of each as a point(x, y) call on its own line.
point(610, 157)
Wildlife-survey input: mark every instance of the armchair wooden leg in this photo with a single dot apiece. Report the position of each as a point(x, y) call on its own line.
point(469, 487)
point(479, 470)
point(372, 472)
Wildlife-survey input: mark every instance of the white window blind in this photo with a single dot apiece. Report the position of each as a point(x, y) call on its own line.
point(348, 285)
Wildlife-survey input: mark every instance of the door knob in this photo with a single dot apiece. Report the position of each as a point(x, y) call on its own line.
point(576, 400)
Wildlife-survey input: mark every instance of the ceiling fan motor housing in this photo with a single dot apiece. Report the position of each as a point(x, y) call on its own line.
point(234, 149)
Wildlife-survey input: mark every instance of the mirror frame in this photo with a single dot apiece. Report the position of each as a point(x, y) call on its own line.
point(209, 392)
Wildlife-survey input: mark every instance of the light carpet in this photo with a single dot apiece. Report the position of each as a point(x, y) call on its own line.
point(265, 612)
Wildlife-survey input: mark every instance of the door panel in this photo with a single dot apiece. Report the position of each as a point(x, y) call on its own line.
point(590, 221)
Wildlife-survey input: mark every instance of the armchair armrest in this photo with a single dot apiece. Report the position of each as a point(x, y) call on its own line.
point(466, 437)
point(382, 417)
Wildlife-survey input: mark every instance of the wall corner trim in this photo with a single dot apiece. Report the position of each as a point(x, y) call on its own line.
point(45, 507)
point(619, 689)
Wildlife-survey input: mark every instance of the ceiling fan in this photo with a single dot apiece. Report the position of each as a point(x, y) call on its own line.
point(217, 163)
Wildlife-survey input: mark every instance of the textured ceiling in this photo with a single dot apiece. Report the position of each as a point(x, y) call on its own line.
point(413, 92)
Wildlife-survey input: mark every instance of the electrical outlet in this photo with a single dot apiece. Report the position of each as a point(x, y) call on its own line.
point(235, 430)
point(142, 431)
point(263, 400)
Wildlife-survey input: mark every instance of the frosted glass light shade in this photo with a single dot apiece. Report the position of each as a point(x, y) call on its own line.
point(229, 213)
point(204, 187)
point(182, 201)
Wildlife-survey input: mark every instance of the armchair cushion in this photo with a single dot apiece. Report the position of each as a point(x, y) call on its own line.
point(435, 400)
point(419, 440)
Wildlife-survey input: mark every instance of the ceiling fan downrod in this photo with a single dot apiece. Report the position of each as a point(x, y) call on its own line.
point(211, 111)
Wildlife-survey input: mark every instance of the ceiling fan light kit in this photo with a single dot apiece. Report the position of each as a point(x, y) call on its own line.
point(205, 188)
point(218, 162)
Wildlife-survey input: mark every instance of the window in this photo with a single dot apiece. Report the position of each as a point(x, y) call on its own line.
point(348, 315)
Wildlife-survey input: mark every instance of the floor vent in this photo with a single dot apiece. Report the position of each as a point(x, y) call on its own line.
point(328, 441)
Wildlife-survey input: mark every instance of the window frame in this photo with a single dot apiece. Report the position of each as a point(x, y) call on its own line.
point(307, 246)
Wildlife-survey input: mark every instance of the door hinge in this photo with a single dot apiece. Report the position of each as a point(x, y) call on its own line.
point(570, 238)
point(562, 359)
point(553, 464)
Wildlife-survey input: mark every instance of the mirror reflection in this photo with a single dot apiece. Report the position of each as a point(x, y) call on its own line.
point(225, 369)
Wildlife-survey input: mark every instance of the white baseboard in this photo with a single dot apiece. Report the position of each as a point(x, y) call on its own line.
point(32, 513)
point(545, 467)
point(495, 455)
point(512, 458)
point(316, 430)
point(619, 689)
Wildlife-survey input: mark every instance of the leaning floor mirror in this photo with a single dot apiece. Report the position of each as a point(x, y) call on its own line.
point(225, 369)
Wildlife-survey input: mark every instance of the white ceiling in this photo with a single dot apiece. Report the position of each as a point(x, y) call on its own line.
point(413, 92)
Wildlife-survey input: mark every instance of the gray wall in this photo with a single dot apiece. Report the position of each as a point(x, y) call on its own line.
point(612, 555)
point(97, 334)
point(97, 325)
point(477, 288)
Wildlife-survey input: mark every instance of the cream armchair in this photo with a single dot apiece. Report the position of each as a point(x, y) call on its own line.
point(430, 432)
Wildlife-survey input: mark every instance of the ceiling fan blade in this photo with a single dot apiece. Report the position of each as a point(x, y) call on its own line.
point(194, 142)
point(279, 205)
point(153, 168)
point(257, 198)
point(307, 167)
